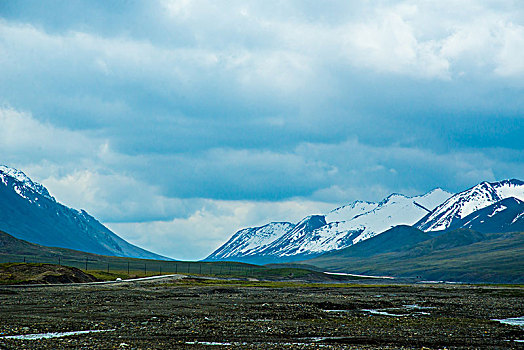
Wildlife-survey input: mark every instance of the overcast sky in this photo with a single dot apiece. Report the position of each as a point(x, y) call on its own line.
point(178, 122)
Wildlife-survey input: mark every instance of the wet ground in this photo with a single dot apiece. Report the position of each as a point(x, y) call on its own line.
point(194, 314)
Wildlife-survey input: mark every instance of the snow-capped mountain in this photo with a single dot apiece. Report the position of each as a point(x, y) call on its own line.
point(29, 212)
point(450, 214)
point(396, 209)
point(23, 185)
point(249, 242)
point(339, 229)
point(298, 241)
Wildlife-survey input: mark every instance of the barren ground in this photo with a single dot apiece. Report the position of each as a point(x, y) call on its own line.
point(196, 314)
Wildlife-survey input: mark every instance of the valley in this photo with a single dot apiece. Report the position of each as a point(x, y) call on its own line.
point(193, 313)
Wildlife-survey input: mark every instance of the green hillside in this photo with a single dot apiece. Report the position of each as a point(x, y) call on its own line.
point(13, 250)
point(459, 255)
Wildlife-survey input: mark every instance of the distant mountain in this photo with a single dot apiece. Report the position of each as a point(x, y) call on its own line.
point(247, 243)
point(475, 235)
point(340, 228)
point(29, 212)
point(452, 212)
point(457, 255)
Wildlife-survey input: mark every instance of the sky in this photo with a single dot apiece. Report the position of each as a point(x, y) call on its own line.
point(178, 122)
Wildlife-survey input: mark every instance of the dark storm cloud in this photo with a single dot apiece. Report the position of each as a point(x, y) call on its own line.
point(258, 101)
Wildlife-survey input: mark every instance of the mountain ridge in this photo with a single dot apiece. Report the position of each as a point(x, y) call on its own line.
point(466, 202)
point(339, 228)
point(29, 212)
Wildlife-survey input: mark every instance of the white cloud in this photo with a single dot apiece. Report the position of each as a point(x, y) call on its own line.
point(254, 100)
point(387, 42)
point(117, 197)
point(22, 137)
point(178, 8)
point(510, 58)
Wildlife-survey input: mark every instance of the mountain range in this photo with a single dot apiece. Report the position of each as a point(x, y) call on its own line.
point(489, 207)
point(30, 213)
point(474, 235)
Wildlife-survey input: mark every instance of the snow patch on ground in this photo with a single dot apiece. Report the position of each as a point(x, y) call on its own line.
point(39, 336)
point(514, 321)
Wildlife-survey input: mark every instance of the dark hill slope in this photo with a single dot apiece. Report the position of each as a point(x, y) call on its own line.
point(9, 245)
point(506, 215)
point(459, 255)
point(16, 250)
point(394, 239)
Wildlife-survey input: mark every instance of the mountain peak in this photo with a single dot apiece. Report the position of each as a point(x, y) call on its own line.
point(434, 191)
point(352, 205)
point(311, 222)
point(20, 177)
point(390, 198)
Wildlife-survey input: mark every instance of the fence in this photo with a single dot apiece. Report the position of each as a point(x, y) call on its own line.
point(139, 267)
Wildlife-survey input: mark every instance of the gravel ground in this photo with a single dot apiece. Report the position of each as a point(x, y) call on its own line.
point(192, 314)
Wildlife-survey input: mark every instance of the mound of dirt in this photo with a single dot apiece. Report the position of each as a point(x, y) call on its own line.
point(23, 273)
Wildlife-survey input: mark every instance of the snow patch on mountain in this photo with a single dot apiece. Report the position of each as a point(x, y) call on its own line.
point(433, 198)
point(502, 208)
point(502, 216)
point(518, 217)
point(298, 240)
point(349, 211)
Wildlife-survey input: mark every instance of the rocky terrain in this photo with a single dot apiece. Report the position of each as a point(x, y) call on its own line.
point(192, 313)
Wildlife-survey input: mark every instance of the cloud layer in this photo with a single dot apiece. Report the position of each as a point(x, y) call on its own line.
point(189, 120)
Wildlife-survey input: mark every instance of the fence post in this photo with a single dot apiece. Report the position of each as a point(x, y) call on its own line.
point(107, 267)
point(160, 270)
point(59, 262)
point(145, 269)
point(128, 268)
point(200, 266)
point(176, 268)
point(86, 263)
